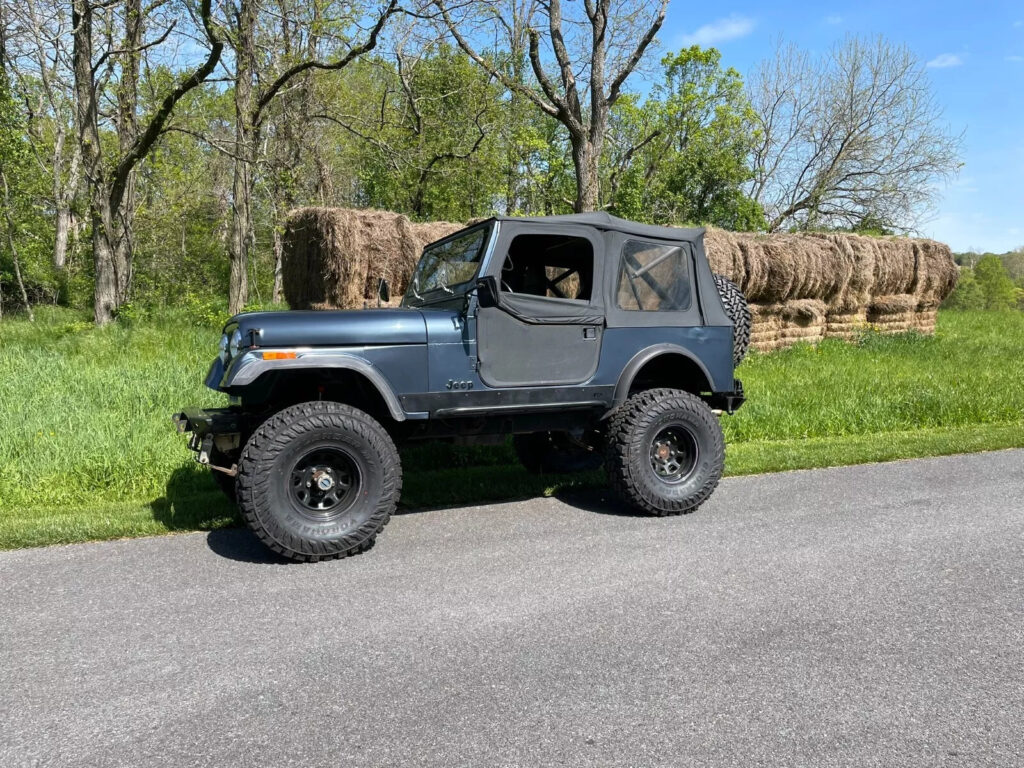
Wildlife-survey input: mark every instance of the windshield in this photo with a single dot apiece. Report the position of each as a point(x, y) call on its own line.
point(448, 263)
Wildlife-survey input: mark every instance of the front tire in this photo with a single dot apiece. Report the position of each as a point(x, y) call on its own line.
point(665, 451)
point(318, 481)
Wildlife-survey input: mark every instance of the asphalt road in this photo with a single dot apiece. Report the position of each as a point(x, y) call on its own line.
point(863, 616)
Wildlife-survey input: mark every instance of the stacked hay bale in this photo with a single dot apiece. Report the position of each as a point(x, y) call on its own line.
point(804, 287)
point(812, 286)
point(334, 257)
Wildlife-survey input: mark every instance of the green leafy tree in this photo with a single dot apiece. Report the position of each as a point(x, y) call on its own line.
point(968, 293)
point(19, 217)
point(996, 286)
point(423, 132)
point(682, 156)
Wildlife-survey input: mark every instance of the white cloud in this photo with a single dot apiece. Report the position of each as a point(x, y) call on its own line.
point(834, 19)
point(1016, 59)
point(944, 60)
point(719, 31)
point(1018, 24)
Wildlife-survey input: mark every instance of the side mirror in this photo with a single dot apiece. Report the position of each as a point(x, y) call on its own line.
point(487, 291)
point(383, 291)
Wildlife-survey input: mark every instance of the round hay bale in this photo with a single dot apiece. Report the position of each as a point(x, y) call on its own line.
point(937, 273)
point(334, 257)
point(724, 254)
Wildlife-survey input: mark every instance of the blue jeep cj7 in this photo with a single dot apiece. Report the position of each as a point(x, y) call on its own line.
point(591, 340)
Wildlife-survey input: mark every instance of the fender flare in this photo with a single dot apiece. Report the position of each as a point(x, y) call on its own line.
point(644, 356)
point(251, 366)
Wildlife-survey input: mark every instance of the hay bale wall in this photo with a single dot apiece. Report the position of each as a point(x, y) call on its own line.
point(333, 257)
point(804, 287)
point(812, 286)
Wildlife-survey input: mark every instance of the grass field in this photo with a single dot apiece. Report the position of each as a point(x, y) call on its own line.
point(87, 450)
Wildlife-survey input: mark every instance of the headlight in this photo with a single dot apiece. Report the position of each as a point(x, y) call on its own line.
point(235, 345)
point(223, 347)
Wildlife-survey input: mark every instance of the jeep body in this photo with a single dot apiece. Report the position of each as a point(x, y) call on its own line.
point(521, 326)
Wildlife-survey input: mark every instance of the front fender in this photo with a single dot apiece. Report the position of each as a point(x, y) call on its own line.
point(251, 365)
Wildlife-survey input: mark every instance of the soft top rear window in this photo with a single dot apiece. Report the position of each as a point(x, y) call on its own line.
point(653, 277)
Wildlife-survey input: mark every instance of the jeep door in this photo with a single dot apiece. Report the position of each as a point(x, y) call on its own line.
point(548, 326)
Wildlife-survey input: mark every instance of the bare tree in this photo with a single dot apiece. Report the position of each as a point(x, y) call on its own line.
point(252, 100)
point(110, 180)
point(593, 55)
point(853, 139)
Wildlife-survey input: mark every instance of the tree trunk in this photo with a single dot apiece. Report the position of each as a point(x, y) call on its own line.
point(585, 159)
point(105, 294)
point(278, 266)
point(63, 196)
point(123, 218)
point(241, 224)
point(62, 230)
point(241, 209)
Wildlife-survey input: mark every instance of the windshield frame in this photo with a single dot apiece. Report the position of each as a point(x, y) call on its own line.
point(415, 298)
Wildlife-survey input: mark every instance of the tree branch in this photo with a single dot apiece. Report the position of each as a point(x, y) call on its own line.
point(140, 148)
point(614, 91)
point(341, 63)
point(548, 107)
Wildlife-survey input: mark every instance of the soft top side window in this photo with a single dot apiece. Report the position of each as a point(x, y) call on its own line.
point(653, 278)
point(551, 266)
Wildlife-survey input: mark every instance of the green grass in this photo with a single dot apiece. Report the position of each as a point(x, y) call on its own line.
point(87, 450)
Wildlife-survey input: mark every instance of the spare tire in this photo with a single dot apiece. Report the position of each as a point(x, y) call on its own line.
point(736, 307)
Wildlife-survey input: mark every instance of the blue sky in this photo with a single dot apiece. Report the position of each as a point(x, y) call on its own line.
point(975, 56)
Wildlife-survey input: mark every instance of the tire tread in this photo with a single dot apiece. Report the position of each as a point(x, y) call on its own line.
point(292, 423)
point(626, 428)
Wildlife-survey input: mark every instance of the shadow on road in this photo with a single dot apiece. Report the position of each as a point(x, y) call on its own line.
point(192, 501)
point(598, 500)
point(241, 544)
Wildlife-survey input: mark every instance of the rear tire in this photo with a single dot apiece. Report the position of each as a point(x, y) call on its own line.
point(738, 310)
point(318, 481)
point(665, 451)
point(545, 453)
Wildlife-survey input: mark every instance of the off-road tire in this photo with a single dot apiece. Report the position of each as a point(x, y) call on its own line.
point(738, 310)
point(546, 453)
point(629, 449)
point(268, 466)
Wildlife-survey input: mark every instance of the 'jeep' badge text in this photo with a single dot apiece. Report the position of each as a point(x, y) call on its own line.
point(453, 384)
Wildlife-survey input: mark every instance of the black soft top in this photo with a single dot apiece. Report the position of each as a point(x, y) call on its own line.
point(603, 220)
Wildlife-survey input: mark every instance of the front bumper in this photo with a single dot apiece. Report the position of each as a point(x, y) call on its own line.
point(208, 421)
point(212, 429)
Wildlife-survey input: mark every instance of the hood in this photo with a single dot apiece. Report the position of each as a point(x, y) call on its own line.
point(353, 327)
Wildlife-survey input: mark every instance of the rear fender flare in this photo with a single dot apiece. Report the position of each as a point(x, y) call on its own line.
point(644, 356)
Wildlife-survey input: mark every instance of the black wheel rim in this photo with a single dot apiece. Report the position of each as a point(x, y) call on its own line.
point(324, 483)
point(674, 454)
